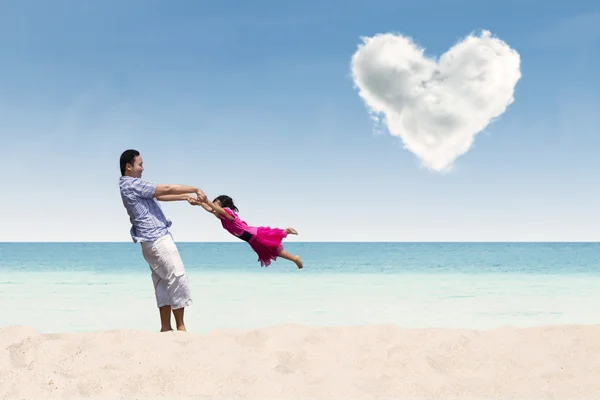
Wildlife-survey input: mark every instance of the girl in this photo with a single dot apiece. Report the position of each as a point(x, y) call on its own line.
point(264, 240)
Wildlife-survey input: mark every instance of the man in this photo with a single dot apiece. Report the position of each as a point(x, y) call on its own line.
point(150, 227)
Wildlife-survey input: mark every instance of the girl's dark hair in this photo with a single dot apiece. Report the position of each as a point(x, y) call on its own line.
point(226, 201)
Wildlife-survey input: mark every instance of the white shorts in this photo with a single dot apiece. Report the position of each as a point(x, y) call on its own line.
point(171, 285)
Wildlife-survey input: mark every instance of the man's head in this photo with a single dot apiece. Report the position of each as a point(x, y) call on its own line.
point(132, 163)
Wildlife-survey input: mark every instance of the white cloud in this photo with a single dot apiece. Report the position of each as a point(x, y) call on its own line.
point(436, 106)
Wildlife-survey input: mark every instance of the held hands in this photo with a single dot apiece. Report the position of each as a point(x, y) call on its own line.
point(201, 196)
point(199, 199)
point(193, 201)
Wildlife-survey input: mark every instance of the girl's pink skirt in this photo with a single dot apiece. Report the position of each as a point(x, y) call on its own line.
point(267, 244)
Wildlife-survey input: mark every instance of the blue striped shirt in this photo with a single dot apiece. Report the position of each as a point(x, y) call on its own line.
point(148, 222)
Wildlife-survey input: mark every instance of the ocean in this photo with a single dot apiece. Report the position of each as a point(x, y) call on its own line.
point(83, 287)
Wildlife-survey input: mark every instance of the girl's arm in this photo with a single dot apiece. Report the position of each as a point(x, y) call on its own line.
point(212, 208)
point(206, 207)
point(218, 210)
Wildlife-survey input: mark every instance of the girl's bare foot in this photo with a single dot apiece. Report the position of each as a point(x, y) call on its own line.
point(295, 259)
point(291, 231)
point(298, 262)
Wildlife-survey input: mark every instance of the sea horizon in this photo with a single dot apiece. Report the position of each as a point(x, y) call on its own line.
point(331, 241)
point(89, 286)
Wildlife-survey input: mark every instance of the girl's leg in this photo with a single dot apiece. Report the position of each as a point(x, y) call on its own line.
point(291, 231)
point(296, 259)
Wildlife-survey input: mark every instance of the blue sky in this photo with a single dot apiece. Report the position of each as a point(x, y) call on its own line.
point(255, 100)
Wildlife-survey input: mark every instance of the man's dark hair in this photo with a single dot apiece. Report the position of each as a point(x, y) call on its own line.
point(128, 157)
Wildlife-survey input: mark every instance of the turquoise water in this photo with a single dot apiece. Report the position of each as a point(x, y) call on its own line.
point(62, 287)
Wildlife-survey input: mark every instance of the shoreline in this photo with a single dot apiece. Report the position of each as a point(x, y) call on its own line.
point(298, 361)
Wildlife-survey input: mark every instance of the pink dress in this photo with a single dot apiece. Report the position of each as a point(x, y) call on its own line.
point(264, 240)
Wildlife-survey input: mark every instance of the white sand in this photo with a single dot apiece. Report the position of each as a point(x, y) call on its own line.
point(288, 362)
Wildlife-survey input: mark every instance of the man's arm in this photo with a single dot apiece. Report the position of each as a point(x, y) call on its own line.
point(173, 197)
point(147, 189)
point(163, 190)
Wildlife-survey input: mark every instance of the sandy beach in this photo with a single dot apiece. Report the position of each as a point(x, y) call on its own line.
point(303, 362)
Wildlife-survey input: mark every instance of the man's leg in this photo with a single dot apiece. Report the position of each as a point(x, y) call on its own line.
point(165, 318)
point(162, 299)
point(170, 281)
point(178, 287)
point(178, 314)
point(151, 252)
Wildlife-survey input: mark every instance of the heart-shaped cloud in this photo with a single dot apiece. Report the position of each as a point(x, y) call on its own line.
point(436, 107)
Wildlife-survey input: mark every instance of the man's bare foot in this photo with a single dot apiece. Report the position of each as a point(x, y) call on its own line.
point(181, 328)
point(298, 262)
point(166, 329)
point(291, 231)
